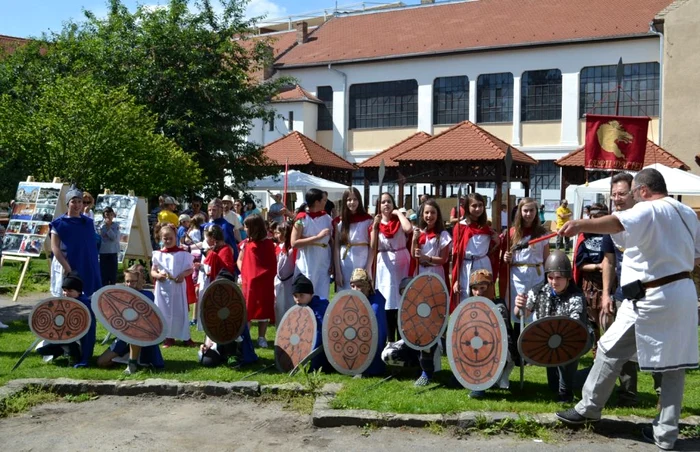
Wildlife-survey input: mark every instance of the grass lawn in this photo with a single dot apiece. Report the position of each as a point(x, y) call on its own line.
point(395, 395)
point(36, 279)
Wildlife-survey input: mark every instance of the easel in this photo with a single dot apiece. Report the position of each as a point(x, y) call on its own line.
point(60, 209)
point(140, 248)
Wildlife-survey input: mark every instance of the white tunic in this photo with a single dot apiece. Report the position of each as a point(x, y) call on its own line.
point(284, 298)
point(357, 253)
point(314, 260)
point(393, 262)
point(657, 244)
point(433, 247)
point(475, 258)
point(171, 297)
point(523, 278)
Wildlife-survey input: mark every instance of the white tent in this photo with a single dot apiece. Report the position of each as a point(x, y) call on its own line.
point(297, 182)
point(678, 182)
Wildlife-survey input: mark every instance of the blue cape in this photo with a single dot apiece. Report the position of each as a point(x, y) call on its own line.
point(78, 237)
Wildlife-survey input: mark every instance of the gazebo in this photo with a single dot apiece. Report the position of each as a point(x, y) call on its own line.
point(391, 167)
point(464, 153)
point(574, 172)
point(304, 154)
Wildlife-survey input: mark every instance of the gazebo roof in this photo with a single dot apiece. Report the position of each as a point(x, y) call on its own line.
point(298, 149)
point(654, 154)
point(395, 150)
point(463, 142)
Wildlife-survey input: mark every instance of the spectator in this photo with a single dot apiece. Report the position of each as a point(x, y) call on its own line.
point(88, 203)
point(275, 212)
point(504, 217)
point(196, 209)
point(454, 218)
point(329, 207)
point(232, 217)
point(168, 215)
point(109, 248)
point(563, 217)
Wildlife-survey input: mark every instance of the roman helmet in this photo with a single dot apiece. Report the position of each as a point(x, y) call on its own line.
point(558, 261)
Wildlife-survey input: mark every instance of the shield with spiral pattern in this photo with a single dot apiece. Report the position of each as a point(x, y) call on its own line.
point(350, 332)
point(423, 311)
point(129, 315)
point(60, 320)
point(296, 337)
point(477, 343)
point(222, 311)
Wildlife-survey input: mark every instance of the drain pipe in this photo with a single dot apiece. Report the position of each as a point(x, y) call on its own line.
point(653, 30)
point(345, 107)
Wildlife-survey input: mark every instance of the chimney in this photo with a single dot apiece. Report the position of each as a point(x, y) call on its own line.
point(427, 2)
point(302, 32)
point(268, 68)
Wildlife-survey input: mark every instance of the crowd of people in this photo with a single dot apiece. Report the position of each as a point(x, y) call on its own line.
point(621, 268)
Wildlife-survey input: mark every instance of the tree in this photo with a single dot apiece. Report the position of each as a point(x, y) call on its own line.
point(193, 68)
point(94, 136)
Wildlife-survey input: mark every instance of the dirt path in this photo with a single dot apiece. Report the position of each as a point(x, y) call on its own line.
point(219, 424)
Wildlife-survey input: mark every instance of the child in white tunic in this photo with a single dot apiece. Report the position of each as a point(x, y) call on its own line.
point(351, 243)
point(431, 243)
point(389, 232)
point(284, 298)
point(526, 265)
point(170, 267)
point(311, 238)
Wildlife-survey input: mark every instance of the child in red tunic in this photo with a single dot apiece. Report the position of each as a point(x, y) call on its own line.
point(258, 265)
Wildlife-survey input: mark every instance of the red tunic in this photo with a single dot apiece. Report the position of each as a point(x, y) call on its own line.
point(258, 272)
point(219, 259)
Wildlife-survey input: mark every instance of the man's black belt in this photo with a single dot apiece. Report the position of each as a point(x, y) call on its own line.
point(667, 280)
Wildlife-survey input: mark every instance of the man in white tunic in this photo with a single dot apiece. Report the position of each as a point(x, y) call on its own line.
point(658, 319)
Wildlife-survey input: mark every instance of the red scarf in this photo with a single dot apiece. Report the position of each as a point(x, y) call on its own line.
point(425, 236)
point(391, 228)
point(312, 215)
point(354, 218)
point(172, 249)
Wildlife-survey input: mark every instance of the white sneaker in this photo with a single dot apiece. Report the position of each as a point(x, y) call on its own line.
point(3, 326)
point(262, 343)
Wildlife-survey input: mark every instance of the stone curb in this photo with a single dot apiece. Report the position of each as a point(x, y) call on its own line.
point(323, 415)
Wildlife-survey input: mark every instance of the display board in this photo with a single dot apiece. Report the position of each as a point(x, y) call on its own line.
point(132, 218)
point(36, 205)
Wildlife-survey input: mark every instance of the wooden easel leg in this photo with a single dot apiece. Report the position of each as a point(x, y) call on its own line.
point(21, 279)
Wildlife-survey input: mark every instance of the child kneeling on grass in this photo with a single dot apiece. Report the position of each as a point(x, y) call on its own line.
point(481, 285)
point(303, 292)
point(360, 281)
point(121, 351)
point(80, 351)
point(558, 296)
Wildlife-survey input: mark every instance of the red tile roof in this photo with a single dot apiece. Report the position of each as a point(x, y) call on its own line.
point(399, 148)
point(463, 142)
point(471, 26)
point(302, 150)
point(654, 154)
point(8, 44)
point(296, 94)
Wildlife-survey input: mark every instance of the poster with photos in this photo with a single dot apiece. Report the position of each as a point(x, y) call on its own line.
point(36, 205)
point(124, 210)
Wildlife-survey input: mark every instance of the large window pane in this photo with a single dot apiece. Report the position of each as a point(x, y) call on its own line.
point(450, 100)
point(384, 104)
point(540, 94)
point(640, 84)
point(325, 110)
point(494, 97)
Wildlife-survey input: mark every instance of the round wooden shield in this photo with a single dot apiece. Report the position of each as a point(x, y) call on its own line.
point(129, 315)
point(477, 343)
point(554, 341)
point(350, 333)
point(423, 311)
point(222, 311)
point(296, 337)
point(60, 320)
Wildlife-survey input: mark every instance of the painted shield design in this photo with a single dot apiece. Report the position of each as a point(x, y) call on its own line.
point(554, 341)
point(222, 311)
point(477, 343)
point(129, 315)
point(423, 311)
point(296, 337)
point(350, 334)
point(60, 320)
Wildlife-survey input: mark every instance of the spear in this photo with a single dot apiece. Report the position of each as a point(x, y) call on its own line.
point(382, 171)
point(286, 179)
point(24, 355)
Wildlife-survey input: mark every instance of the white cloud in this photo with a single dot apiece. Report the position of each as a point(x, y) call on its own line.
point(267, 8)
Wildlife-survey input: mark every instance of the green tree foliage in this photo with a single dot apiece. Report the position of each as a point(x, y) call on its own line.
point(187, 63)
point(97, 137)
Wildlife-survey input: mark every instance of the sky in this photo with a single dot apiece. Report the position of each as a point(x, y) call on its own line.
point(28, 18)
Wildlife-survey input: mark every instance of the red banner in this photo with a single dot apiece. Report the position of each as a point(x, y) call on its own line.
point(615, 143)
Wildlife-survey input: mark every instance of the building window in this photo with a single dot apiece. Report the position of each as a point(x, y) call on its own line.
point(384, 104)
point(540, 95)
point(640, 85)
point(450, 100)
point(543, 176)
point(290, 121)
point(494, 94)
point(271, 124)
point(325, 110)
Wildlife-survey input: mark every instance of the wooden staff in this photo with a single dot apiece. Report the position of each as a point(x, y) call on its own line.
point(375, 245)
point(286, 180)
